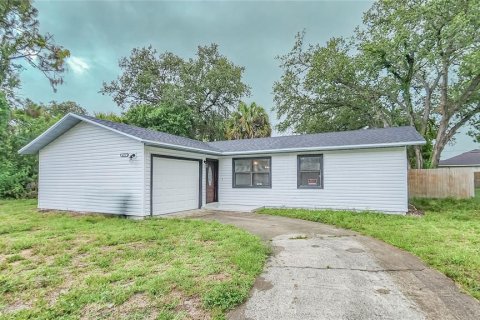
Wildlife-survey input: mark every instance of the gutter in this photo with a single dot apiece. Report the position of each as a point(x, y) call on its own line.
point(180, 148)
point(284, 150)
point(347, 147)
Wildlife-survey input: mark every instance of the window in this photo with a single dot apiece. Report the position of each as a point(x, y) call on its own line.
point(252, 173)
point(310, 171)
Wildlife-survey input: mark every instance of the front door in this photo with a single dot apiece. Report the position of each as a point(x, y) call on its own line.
point(212, 181)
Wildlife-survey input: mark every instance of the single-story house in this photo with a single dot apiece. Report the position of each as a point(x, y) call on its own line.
point(468, 160)
point(92, 165)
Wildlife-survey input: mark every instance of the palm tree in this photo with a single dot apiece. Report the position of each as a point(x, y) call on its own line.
point(249, 121)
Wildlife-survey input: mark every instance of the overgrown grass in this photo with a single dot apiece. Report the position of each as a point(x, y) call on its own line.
point(447, 237)
point(57, 265)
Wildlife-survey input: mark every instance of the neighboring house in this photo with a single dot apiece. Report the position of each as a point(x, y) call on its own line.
point(468, 160)
point(93, 165)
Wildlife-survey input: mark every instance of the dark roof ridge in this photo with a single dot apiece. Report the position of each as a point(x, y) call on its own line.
point(312, 134)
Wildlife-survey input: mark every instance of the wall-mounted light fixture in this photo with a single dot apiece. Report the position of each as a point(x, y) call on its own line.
point(131, 156)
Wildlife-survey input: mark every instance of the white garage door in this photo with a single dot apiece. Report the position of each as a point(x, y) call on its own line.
point(175, 185)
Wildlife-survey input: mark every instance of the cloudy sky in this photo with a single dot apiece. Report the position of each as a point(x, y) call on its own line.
point(251, 34)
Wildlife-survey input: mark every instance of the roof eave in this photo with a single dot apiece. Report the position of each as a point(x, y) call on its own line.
point(329, 148)
point(26, 148)
point(180, 148)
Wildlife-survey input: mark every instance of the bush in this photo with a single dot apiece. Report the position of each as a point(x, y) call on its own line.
point(17, 184)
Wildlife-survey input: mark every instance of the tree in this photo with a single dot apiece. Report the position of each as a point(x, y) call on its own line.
point(19, 126)
point(4, 115)
point(18, 173)
point(411, 63)
point(62, 108)
point(248, 122)
point(209, 85)
point(21, 42)
point(110, 116)
point(163, 117)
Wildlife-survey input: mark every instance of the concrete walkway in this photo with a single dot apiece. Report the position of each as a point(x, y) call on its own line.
point(322, 272)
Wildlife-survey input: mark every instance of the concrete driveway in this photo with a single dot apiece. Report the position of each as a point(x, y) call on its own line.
point(322, 272)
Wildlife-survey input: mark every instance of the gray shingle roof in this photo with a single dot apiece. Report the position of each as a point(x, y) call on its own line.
point(398, 136)
point(407, 135)
point(470, 158)
point(320, 140)
point(155, 136)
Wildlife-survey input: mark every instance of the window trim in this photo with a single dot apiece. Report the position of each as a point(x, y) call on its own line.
point(252, 187)
point(299, 186)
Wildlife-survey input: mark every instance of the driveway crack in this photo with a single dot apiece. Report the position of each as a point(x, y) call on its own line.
point(351, 269)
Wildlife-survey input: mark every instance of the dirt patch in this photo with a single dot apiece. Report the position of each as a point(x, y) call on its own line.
point(80, 260)
point(67, 284)
point(219, 277)
point(191, 306)
point(79, 242)
point(27, 253)
point(139, 304)
point(413, 211)
point(16, 306)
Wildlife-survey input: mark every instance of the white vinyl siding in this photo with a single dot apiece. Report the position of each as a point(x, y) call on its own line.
point(82, 171)
point(368, 179)
point(173, 153)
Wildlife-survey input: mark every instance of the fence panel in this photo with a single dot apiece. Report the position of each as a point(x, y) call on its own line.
point(477, 179)
point(441, 183)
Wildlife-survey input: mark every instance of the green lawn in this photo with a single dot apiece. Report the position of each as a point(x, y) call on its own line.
point(56, 265)
point(447, 237)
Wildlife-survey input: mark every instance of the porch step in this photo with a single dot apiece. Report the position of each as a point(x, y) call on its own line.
point(218, 206)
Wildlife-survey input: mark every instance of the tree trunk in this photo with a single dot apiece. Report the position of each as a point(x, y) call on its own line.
point(437, 151)
point(418, 157)
point(440, 141)
point(441, 138)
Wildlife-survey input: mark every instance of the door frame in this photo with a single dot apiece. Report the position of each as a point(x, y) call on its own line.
point(215, 180)
point(200, 165)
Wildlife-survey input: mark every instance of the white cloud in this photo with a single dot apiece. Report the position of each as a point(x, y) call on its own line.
point(78, 65)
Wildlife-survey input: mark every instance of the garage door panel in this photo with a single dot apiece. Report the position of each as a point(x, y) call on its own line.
point(175, 185)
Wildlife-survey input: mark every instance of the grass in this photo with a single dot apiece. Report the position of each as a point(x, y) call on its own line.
point(58, 265)
point(447, 237)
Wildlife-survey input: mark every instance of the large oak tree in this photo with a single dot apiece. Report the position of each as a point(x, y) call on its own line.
point(209, 85)
point(412, 62)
